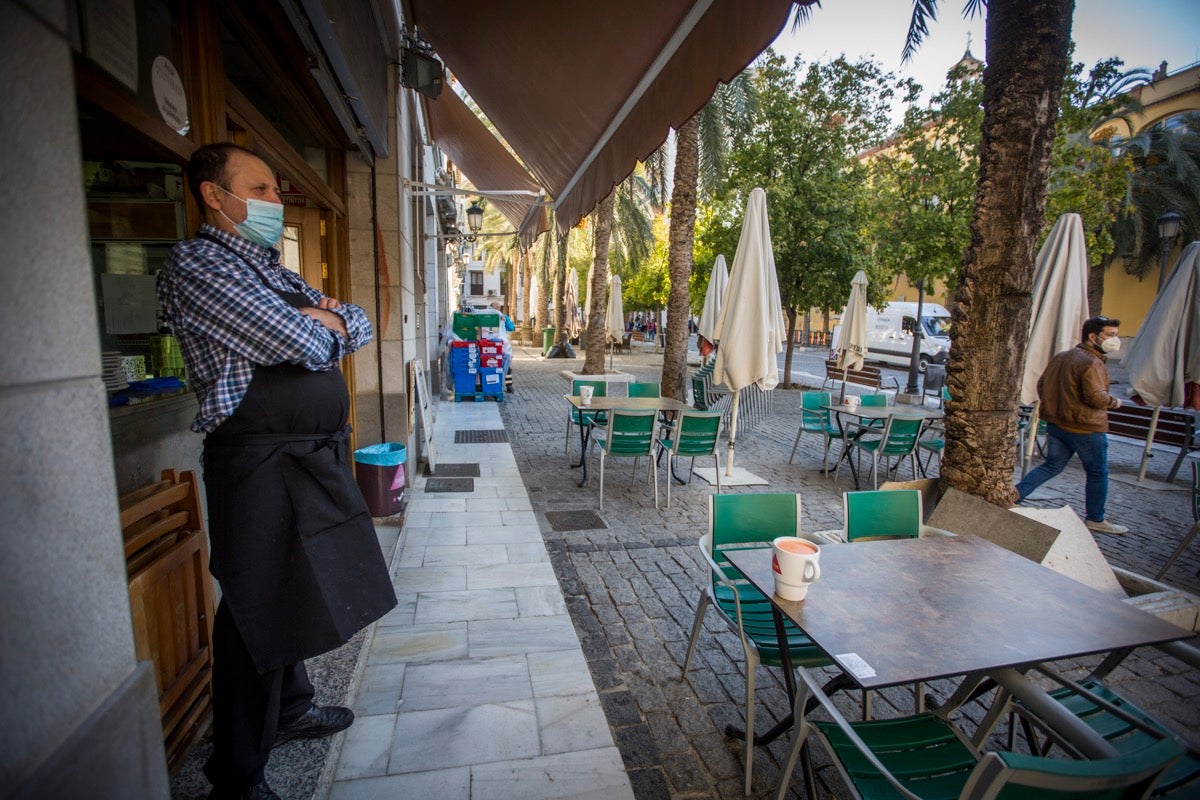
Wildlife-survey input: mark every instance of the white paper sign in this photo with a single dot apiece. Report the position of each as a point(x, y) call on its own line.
point(168, 94)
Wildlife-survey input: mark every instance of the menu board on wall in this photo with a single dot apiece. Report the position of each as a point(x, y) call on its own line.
point(110, 38)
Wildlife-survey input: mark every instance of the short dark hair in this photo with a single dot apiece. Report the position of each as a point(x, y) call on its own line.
point(1098, 324)
point(209, 163)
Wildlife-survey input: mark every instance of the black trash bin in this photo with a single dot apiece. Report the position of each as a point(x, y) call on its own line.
point(379, 470)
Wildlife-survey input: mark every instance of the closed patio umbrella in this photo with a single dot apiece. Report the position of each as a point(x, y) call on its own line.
point(714, 297)
point(750, 326)
point(571, 301)
point(1060, 307)
point(614, 319)
point(852, 342)
point(1164, 358)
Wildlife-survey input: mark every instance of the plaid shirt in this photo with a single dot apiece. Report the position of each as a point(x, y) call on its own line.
point(227, 321)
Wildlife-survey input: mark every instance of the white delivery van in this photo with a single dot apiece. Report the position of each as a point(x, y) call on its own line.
point(890, 334)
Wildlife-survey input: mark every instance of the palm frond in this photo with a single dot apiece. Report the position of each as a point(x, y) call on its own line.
point(804, 12)
point(918, 27)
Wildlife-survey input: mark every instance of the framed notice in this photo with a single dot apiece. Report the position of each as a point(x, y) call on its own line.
point(420, 399)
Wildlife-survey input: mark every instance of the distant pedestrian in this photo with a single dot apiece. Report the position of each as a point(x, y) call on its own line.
point(1075, 402)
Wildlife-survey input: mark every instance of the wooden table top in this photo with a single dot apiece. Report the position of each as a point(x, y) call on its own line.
point(921, 609)
point(629, 403)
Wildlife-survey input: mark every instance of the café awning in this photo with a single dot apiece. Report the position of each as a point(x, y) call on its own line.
point(583, 91)
point(486, 162)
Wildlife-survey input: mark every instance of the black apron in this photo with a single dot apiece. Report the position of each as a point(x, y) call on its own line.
point(293, 544)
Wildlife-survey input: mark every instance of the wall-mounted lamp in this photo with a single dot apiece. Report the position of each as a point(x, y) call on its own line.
point(1168, 228)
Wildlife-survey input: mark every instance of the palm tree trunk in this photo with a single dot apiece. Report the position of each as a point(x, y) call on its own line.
point(1027, 43)
point(593, 362)
point(526, 290)
point(543, 307)
point(560, 290)
point(681, 238)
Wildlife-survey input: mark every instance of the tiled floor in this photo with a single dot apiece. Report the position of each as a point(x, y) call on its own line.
point(475, 686)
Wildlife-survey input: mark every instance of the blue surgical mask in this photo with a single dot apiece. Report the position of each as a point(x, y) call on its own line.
point(264, 221)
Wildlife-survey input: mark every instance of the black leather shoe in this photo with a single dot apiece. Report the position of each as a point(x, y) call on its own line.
point(315, 723)
point(259, 791)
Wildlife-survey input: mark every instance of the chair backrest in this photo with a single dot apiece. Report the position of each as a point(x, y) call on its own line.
point(758, 517)
point(900, 435)
point(630, 433)
point(882, 514)
point(645, 389)
point(599, 388)
point(812, 413)
point(696, 433)
point(1014, 776)
point(875, 399)
point(1196, 491)
point(699, 399)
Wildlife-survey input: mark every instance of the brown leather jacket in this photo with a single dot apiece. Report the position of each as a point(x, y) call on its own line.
point(1074, 390)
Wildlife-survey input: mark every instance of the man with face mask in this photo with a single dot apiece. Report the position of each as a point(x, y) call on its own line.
point(293, 544)
point(1075, 403)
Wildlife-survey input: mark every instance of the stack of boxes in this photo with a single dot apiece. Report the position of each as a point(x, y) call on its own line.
point(477, 363)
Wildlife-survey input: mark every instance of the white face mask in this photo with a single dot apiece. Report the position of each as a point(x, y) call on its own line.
point(1111, 345)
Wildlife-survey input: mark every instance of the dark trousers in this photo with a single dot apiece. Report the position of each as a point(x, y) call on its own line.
point(248, 707)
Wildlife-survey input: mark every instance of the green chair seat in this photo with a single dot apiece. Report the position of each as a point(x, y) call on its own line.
point(627, 434)
point(930, 759)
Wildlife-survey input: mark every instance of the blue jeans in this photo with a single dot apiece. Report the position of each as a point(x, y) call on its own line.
point(1092, 449)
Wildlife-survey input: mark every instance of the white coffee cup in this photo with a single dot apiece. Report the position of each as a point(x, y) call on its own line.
point(585, 395)
point(796, 563)
point(853, 401)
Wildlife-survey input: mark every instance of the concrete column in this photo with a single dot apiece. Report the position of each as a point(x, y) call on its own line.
point(80, 714)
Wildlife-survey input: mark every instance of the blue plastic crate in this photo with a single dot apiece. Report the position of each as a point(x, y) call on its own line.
point(464, 383)
point(491, 380)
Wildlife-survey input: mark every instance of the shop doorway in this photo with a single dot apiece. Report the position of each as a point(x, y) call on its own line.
point(303, 245)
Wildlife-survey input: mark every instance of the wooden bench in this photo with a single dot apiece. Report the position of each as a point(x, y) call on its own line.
point(171, 603)
point(866, 376)
point(1172, 428)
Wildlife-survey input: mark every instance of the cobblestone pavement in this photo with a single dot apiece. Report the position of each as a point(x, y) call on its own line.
point(632, 585)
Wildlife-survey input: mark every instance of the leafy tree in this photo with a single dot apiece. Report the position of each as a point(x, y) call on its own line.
point(649, 288)
point(1088, 175)
point(800, 147)
point(923, 185)
point(1166, 164)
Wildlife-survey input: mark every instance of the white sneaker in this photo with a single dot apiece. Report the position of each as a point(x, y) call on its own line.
point(1104, 526)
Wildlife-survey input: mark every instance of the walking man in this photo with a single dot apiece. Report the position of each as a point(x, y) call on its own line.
point(1075, 403)
point(293, 545)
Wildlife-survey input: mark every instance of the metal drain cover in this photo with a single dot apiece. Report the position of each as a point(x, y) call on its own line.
point(481, 437)
point(455, 471)
point(449, 484)
point(575, 520)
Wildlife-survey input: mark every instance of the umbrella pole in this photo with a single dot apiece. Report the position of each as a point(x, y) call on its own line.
point(732, 433)
point(1149, 442)
point(1031, 443)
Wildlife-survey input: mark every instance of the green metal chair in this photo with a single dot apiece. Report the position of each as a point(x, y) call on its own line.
point(932, 442)
point(815, 419)
point(628, 434)
point(924, 756)
point(580, 417)
point(899, 441)
point(645, 389)
point(1118, 720)
point(737, 522)
point(693, 434)
point(892, 514)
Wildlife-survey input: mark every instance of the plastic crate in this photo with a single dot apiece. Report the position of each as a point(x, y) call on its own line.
point(491, 381)
point(464, 383)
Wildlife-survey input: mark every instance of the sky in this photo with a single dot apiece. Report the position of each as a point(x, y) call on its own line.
point(1143, 34)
